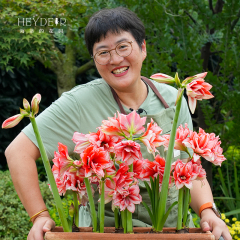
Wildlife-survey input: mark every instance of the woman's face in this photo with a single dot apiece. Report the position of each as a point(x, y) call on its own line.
point(121, 73)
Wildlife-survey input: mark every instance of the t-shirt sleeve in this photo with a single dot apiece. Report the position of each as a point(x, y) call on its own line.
point(185, 117)
point(57, 123)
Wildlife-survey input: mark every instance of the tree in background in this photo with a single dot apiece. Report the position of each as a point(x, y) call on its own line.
point(50, 32)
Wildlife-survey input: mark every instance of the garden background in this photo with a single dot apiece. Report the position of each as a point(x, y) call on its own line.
point(185, 36)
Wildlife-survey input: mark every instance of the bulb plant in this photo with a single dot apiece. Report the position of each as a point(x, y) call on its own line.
point(111, 159)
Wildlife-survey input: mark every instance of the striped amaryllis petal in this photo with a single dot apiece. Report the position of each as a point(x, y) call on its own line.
point(162, 78)
point(81, 140)
point(12, 121)
point(192, 102)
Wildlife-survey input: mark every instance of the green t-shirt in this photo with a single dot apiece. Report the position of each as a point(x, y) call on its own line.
point(83, 108)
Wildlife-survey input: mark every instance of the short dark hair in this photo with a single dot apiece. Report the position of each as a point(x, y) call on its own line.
point(113, 20)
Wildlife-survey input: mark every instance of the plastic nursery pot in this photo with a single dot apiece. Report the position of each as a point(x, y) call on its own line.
point(140, 233)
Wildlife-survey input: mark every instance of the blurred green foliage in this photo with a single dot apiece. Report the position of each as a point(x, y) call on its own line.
point(14, 220)
point(227, 192)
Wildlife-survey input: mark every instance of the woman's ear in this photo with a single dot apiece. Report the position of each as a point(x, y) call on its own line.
point(144, 50)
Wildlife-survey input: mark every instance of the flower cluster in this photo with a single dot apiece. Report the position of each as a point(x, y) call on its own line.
point(115, 144)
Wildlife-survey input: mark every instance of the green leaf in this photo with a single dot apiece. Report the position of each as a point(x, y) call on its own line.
point(149, 212)
point(237, 211)
point(167, 213)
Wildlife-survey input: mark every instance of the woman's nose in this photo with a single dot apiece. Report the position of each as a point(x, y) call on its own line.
point(115, 58)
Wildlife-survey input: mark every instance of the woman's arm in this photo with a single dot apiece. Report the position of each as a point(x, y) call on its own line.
point(200, 194)
point(21, 155)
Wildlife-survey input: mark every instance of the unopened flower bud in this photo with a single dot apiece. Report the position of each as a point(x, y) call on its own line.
point(35, 103)
point(162, 78)
point(12, 121)
point(26, 105)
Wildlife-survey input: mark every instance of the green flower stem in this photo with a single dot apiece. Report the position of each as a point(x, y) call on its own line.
point(180, 208)
point(102, 208)
point(185, 204)
point(165, 183)
point(76, 208)
point(129, 214)
point(124, 220)
point(51, 179)
point(92, 206)
point(129, 222)
point(116, 217)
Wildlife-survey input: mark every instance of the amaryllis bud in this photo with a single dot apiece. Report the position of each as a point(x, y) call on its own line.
point(35, 103)
point(26, 105)
point(177, 80)
point(24, 112)
point(162, 78)
point(12, 121)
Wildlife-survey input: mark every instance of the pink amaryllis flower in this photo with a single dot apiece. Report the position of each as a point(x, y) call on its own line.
point(98, 139)
point(61, 158)
point(128, 151)
point(127, 198)
point(181, 135)
point(199, 142)
point(205, 145)
point(110, 186)
point(65, 180)
point(152, 138)
point(198, 170)
point(162, 78)
point(132, 123)
point(95, 160)
point(218, 157)
point(123, 178)
point(197, 89)
point(153, 169)
point(183, 174)
point(124, 125)
point(101, 139)
point(111, 126)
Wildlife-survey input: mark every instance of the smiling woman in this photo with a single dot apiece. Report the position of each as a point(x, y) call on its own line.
point(122, 73)
point(116, 39)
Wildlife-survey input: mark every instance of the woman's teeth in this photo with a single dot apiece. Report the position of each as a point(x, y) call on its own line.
point(120, 70)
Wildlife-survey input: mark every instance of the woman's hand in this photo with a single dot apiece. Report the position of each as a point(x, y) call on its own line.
point(41, 225)
point(210, 222)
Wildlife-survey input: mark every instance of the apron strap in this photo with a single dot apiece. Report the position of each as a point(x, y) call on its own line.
point(147, 81)
point(117, 100)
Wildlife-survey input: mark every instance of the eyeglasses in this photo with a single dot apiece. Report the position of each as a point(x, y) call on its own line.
point(123, 49)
